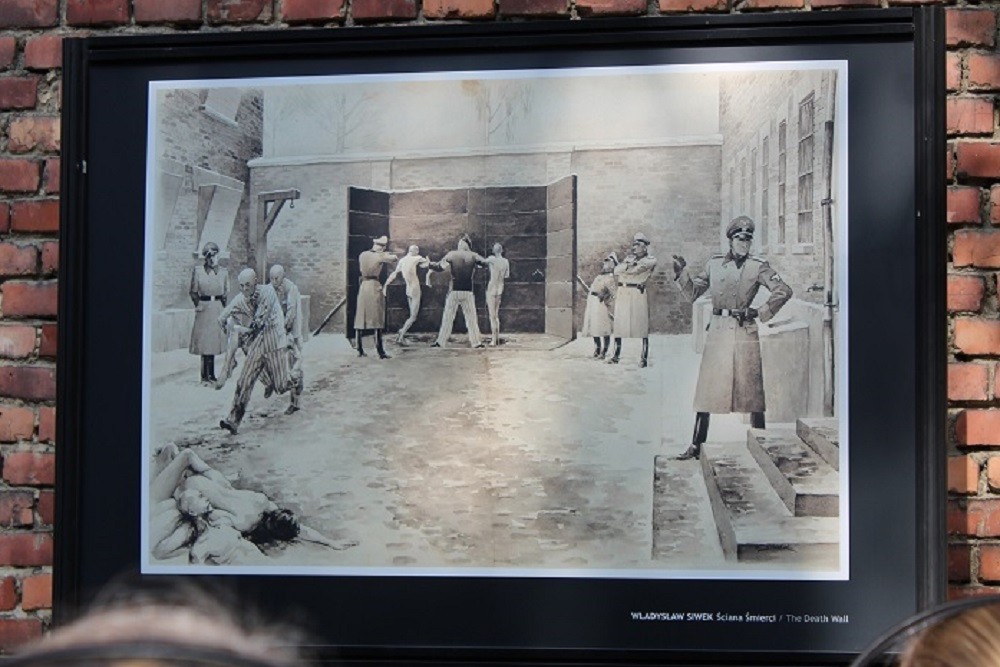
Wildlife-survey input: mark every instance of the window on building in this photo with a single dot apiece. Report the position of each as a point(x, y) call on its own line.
point(806, 154)
point(782, 166)
point(764, 162)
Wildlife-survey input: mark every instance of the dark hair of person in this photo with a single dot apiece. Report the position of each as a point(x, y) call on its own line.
point(166, 622)
point(274, 526)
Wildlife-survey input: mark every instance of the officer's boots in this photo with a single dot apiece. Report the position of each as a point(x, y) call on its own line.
point(698, 438)
point(618, 351)
point(378, 345)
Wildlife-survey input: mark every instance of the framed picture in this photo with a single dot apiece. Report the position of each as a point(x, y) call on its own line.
point(594, 341)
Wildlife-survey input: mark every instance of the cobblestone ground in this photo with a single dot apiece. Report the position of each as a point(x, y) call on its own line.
point(510, 457)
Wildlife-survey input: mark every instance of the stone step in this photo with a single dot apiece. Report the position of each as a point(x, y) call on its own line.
point(683, 525)
point(753, 522)
point(822, 434)
point(807, 484)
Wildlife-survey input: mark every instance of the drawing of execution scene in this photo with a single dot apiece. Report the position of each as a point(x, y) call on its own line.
point(579, 322)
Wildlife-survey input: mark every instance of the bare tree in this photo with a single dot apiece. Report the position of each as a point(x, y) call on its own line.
point(500, 105)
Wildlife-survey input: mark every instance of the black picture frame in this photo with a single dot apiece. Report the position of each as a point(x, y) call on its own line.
point(897, 339)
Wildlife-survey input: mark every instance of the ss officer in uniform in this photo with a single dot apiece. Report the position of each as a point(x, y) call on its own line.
point(370, 315)
point(631, 301)
point(730, 378)
point(208, 290)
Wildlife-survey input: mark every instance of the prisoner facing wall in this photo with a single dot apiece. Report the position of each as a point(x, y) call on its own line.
point(538, 292)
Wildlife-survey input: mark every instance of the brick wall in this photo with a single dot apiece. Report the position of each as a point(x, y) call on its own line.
point(30, 77)
point(198, 148)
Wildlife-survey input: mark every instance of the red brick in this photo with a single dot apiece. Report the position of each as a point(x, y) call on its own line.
point(995, 204)
point(983, 518)
point(50, 257)
point(694, 5)
point(978, 427)
point(50, 339)
point(963, 475)
point(957, 516)
point(46, 424)
point(16, 423)
point(953, 71)
point(989, 563)
point(50, 180)
point(26, 549)
point(965, 293)
point(8, 593)
point(969, 115)
point(37, 592)
point(29, 133)
point(17, 509)
point(965, 592)
point(326, 10)
point(984, 71)
point(975, 248)
point(772, 4)
point(534, 7)
point(959, 563)
point(970, 27)
point(977, 159)
point(29, 299)
point(18, 260)
point(43, 52)
point(97, 12)
point(968, 382)
point(238, 11)
point(4, 217)
point(15, 632)
point(459, 9)
point(47, 507)
point(18, 92)
point(976, 337)
point(175, 11)
point(830, 4)
point(29, 468)
point(385, 10)
point(610, 7)
point(19, 175)
point(8, 49)
point(41, 215)
point(949, 161)
point(29, 13)
point(31, 383)
point(963, 204)
point(993, 473)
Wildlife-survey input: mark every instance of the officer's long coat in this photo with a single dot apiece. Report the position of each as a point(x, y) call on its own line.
point(370, 312)
point(631, 301)
point(206, 336)
point(730, 378)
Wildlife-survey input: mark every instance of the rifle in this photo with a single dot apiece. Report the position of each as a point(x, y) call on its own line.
point(329, 316)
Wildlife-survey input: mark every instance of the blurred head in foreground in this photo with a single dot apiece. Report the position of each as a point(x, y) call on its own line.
point(966, 639)
point(185, 627)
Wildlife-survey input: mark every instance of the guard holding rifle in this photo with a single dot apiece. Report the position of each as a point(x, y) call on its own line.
point(730, 378)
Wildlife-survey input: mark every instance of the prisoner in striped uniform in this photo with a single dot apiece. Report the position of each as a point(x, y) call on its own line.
point(266, 348)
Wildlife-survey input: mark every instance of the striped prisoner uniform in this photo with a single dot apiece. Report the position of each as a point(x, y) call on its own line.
point(266, 351)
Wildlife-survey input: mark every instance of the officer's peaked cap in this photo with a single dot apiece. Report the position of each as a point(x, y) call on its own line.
point(740, 225)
